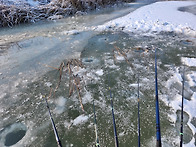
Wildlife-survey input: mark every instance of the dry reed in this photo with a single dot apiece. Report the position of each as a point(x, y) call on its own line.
point(74, 80)
point(11, 15)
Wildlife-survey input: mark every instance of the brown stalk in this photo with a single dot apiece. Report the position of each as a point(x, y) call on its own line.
point(69, 68)
point(49, 66)
point(114, 56)
point(74, 81)
point(124, 55)
point(60, 75)
point(50, 94)
point(71, 87)
point(79, 95)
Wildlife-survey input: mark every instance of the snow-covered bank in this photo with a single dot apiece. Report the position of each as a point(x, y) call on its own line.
point(157, 17)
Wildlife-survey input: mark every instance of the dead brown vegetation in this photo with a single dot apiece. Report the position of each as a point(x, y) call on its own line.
point(74, 79)
point(11, 15)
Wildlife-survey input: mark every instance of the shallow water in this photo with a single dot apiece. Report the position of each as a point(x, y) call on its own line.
point(25, 76)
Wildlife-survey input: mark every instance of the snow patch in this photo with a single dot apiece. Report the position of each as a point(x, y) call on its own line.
point(189, 61)
point(87, 98)
point(173, 118)
point(71, 32)
point(192, 79)
point(60, 105)
point(80, 119)
point(48, 84)
point(175, 100)
point(189, 106)
point(120, 58)
point(156, 17)
point(99, 72)
point(133, 85)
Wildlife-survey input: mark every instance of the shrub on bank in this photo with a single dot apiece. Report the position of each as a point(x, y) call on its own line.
point(11, 15)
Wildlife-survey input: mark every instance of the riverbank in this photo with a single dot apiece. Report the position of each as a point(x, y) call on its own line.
point(12, 14)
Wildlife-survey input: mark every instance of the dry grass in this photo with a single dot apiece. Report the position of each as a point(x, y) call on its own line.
point(11, 15)
point(74, 80)
point(123, 54)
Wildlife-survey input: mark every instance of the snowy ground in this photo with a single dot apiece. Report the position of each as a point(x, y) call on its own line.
point(21, 2)
point(157, 17)
point(32, 3)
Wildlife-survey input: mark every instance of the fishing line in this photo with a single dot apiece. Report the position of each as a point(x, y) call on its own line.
point(95, 119)
point(95, 124)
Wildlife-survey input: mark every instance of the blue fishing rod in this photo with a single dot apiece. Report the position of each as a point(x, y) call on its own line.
point(158, 130)
point(53, 125)
point(114, 124)
point(138, 112)
point(181, 129)
point(95, 124)
point(138, 99)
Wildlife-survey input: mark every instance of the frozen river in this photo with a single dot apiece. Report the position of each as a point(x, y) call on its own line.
point(29, 51)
